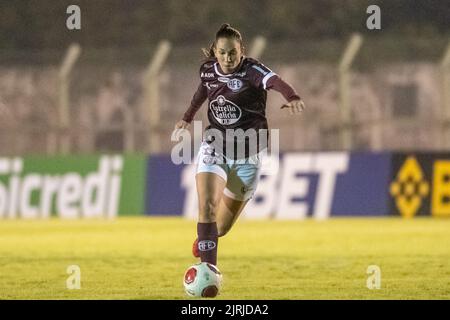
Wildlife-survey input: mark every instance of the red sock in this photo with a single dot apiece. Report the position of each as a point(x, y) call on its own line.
point(207, 242)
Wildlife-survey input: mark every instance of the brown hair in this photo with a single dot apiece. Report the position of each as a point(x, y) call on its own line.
point(225, 31)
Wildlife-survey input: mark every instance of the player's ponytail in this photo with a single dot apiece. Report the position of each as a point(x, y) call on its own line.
point(225, 31)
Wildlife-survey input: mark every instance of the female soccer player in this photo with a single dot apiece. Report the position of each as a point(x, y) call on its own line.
point(236, 87)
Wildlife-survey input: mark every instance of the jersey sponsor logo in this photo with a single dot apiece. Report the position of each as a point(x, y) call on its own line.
point(207, 75)
point(235, 85)
point(206, 245)
point(223, 79)
point(240, 74)
point(210, 86)
point(225, 111)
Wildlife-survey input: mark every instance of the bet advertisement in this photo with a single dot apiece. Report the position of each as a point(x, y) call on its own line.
point(321, 185)
point(420, 185)
point(317, 185)
point(305, 185)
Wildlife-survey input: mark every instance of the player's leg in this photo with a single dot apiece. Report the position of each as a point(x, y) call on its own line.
point(227, 213)
point(210, 188)
point(241, 185)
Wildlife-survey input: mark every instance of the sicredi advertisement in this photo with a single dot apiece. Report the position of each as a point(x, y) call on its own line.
point(71, 187)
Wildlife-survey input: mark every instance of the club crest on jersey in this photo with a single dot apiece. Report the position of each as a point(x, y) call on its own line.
point(240, 74)
point(225, 111)
point(235, 85)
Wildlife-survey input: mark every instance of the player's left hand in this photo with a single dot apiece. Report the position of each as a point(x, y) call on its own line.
point(295, 106)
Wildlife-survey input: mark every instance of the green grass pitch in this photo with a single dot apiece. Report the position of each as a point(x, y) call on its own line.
point(145, 258)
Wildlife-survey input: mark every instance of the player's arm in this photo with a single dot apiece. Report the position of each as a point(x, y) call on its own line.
point(197, 100)
point(294, 103)
point(266, 79)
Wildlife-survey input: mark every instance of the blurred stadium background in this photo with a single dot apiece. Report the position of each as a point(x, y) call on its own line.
point(396, 89)
point(101, 102)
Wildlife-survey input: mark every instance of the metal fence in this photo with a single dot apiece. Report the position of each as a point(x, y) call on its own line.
point(76, 105)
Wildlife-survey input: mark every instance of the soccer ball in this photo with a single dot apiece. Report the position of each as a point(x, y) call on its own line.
point(202, 280)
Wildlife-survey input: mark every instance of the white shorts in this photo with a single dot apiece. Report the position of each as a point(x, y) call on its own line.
point(241, 176)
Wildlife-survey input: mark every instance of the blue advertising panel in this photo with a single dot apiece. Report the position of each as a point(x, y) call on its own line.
point(307, 184)
point(164, 194)
point(363, 189)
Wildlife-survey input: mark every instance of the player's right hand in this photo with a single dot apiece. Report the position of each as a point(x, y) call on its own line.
point(182, 125)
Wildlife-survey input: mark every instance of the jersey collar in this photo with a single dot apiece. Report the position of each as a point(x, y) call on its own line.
point(220, 73)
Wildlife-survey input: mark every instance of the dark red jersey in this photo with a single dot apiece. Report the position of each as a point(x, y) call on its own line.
point(237, 100)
